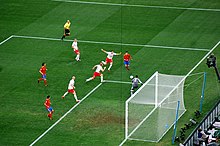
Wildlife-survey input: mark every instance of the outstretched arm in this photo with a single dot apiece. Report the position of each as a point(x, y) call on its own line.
point(94, 67)
point(103, 50)
point(118, 53)
point(103, 69)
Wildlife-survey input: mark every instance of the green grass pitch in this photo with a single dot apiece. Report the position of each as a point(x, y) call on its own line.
point(177, 36)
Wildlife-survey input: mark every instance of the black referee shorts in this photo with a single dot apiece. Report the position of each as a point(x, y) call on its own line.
point(67, 31)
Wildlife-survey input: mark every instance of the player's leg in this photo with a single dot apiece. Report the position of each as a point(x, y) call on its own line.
point(103, 62)
point(101, 76)
point(75, 96)
point(65, 94)
point(50, 110)
point(132, 90)
point(64, 35)
point(110, 66)
point(93, 77)
point(40, 79)
point(78, 57)
point(45, 80)
point(89, 79)
point(126, 63)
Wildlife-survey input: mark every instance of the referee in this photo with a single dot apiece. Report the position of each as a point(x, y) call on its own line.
point(66, 29)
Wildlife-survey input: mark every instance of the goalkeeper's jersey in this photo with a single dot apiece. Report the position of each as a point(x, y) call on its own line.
point(135, 82)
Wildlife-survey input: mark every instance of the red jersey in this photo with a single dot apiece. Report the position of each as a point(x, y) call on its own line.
point(47, 103)
point(127, 57)
point(43, 70)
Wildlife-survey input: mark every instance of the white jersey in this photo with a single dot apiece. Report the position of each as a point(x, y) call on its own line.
point(71, 84)
point(135, 82)
point(98, 68)
point(74, 45)
point(110, 55)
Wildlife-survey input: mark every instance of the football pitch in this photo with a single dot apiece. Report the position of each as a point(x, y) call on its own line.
point(170, 37)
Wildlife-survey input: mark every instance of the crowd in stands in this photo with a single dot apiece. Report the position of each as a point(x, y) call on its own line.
point(210, 136)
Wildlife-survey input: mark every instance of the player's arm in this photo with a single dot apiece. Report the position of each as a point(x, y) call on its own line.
point(118, 53)
point(140, 81)
point(40, 72)
point(103, 69)
point(45, 104)
point(94, 67)
point(104, 51)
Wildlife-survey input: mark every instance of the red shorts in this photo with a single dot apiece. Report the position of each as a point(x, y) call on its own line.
point(76, 51)
point(71, 91)
point(108, 60)
point(96, 74)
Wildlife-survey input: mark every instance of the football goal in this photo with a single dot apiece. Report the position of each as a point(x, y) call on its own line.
point(151, 111)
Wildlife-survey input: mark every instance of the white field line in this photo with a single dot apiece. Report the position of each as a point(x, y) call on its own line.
point(120, 82)
point(65, 115)
point(6, 40)
point(141, 6)
point(112, 43)
point(212, 49)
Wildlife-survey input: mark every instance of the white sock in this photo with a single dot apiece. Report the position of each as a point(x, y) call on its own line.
point(110, 66)
point(102, 78)
point(75, 97)
point(103, 62)
point(65, 94)
point(89, 79)
point(77, 57)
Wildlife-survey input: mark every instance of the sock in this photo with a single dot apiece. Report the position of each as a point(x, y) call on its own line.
point(89, 79)
point(45, 82)
point(102, 78)
point(49, 115)
point(103, 62)
point(110, 66)
point(75, 97)
point(63, 36)
point(40, 79)
point(77, 57)
point(65, 94)
point(131, 92)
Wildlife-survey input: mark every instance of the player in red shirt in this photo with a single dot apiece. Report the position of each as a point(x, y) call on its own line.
point(47, 104)
point(42, 71)
point(127, 58)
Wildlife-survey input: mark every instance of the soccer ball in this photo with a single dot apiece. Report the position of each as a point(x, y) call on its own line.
point(131, 77)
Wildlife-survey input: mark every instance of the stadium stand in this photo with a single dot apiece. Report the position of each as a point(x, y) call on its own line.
point(207, 133)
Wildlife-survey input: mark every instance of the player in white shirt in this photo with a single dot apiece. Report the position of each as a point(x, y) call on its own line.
point(109, 58)
point(71, 89)
point(135, 82)
point(76, 50)
point(97, 72)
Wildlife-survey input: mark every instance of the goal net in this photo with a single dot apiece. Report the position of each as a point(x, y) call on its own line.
point(151, 111)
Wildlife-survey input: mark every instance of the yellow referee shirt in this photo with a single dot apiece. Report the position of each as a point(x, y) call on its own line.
point(67, 25)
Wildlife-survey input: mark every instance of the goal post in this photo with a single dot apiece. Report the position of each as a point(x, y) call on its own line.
point(151, 111)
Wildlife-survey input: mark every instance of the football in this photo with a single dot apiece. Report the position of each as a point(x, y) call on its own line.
point(131, 77)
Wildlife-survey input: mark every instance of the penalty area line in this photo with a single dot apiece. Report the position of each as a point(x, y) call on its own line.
point(113, 43)
point(6, 40)
point(51, 127)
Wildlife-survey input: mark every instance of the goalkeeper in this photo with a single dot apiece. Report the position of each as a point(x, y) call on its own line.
point(135, 82)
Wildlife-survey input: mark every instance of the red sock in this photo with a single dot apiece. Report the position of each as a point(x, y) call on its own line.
point(45, 82)
point(50, 115)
